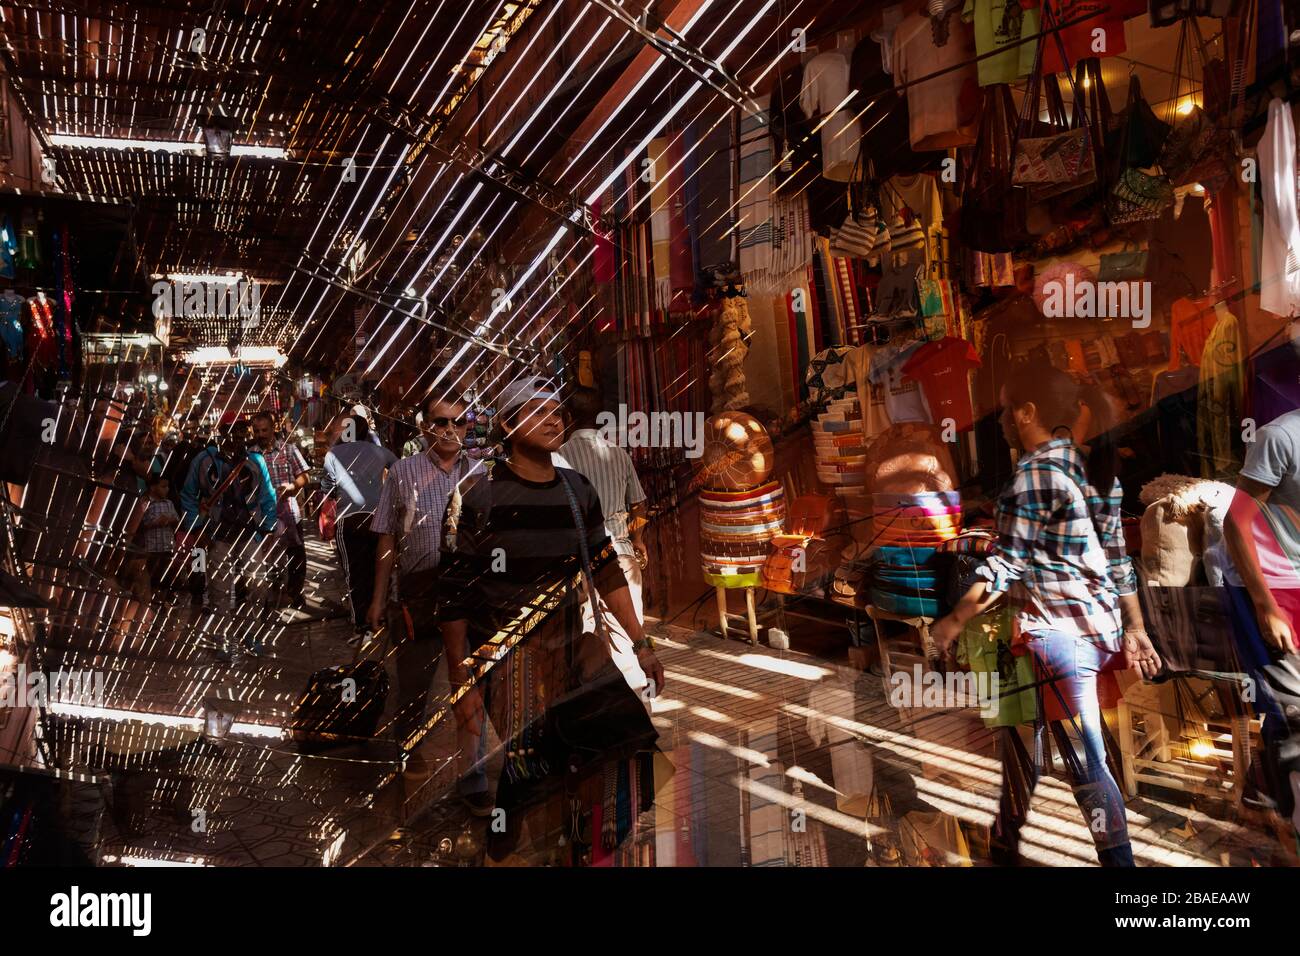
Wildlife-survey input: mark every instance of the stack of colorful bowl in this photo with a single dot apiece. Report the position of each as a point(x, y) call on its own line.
point(839, 447)
point(908, 529)
point(736, 528)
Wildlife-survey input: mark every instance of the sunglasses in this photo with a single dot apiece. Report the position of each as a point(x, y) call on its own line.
point(442, 421)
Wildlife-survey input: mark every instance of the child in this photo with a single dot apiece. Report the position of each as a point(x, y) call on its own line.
point(158, 528)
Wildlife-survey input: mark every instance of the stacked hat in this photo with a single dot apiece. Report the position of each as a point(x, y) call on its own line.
point(736, 528)
point(840, 448)
point(908, 531)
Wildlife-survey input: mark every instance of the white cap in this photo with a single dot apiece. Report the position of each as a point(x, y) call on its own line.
point(525, 390)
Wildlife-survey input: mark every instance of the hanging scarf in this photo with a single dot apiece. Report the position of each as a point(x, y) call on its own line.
point(755, 233)
point(660, 221)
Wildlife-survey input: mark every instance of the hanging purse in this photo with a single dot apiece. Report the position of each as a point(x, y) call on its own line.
point(1063, 157)
point(992, 217)
point(1139, 194)
point(1119, 266)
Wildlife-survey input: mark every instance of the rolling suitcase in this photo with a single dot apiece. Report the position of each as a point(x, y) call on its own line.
point(341, 705)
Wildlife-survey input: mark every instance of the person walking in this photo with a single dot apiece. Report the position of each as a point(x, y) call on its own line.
point(611, 472)
point(564, 713)
point(407, 524)
point(354, 478)
point(230, 502)
point(288, 471)
point(1061, 559)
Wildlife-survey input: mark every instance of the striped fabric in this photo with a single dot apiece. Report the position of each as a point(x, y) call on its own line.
point(755, 234)
point(660, 222)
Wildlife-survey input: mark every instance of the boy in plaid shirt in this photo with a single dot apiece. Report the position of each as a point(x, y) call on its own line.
point(158, 528)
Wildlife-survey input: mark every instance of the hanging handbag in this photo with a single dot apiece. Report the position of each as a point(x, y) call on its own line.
point(992, 216)
point(1064, 156)
point(1119, 266)
point(1139, 194)
point(1196, 148)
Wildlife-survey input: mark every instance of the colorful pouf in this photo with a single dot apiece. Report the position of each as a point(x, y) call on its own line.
point(736, 529)
point(907, 531)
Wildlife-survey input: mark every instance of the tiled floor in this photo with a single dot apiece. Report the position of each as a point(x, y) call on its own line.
point(751, 786)
point(734, 720)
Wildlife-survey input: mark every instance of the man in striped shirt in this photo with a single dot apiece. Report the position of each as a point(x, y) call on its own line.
point(622, 501)
point(408, 522)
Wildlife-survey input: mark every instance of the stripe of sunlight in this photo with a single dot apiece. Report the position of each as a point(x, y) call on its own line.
point(778, 665)
point(807, 776)
point(729, 689)
point(983, 769)
point(832, 818)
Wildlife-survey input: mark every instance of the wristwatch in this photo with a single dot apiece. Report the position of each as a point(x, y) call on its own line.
point(644, 642)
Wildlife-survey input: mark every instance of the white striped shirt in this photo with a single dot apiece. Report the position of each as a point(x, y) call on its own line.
point(610, 470)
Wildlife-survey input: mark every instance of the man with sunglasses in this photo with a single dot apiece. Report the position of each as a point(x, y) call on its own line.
point(408, 522)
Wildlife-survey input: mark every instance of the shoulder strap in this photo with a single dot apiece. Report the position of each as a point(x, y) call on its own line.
point(584, 555)
point(456, 503)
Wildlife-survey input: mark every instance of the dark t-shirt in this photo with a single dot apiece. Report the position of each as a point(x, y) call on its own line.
point(516, 538)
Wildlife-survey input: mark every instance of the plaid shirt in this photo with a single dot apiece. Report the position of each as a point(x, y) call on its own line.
point(412, 504)
point(1059, 556)
point(285, 463)
point(160, 539)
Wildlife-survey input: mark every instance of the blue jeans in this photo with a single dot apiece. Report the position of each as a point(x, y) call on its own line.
point(1068, 665)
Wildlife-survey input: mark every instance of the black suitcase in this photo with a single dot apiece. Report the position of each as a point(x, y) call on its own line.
point(329, 714)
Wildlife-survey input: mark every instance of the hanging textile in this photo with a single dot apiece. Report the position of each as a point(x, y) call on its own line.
point(716, 195)
point(755, 238)
point(1279, 291)
point(681, 263)
point(1221, 399)
point(660, 222)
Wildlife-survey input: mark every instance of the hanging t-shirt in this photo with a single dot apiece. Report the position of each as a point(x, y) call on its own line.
point(904, 400)
point(916, 194)
point(943, 111)
point(825, 87)
point(943, 369)
point(11, 325)
point(998, 24)
point(1279, 259)
point(1190, 323)
point(1081, 40)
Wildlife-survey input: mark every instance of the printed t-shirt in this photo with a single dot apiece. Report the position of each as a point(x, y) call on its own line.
point(998, 23)
point(943, 370)
point(1079, 40)
point(904, 401)
point(943, 111)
